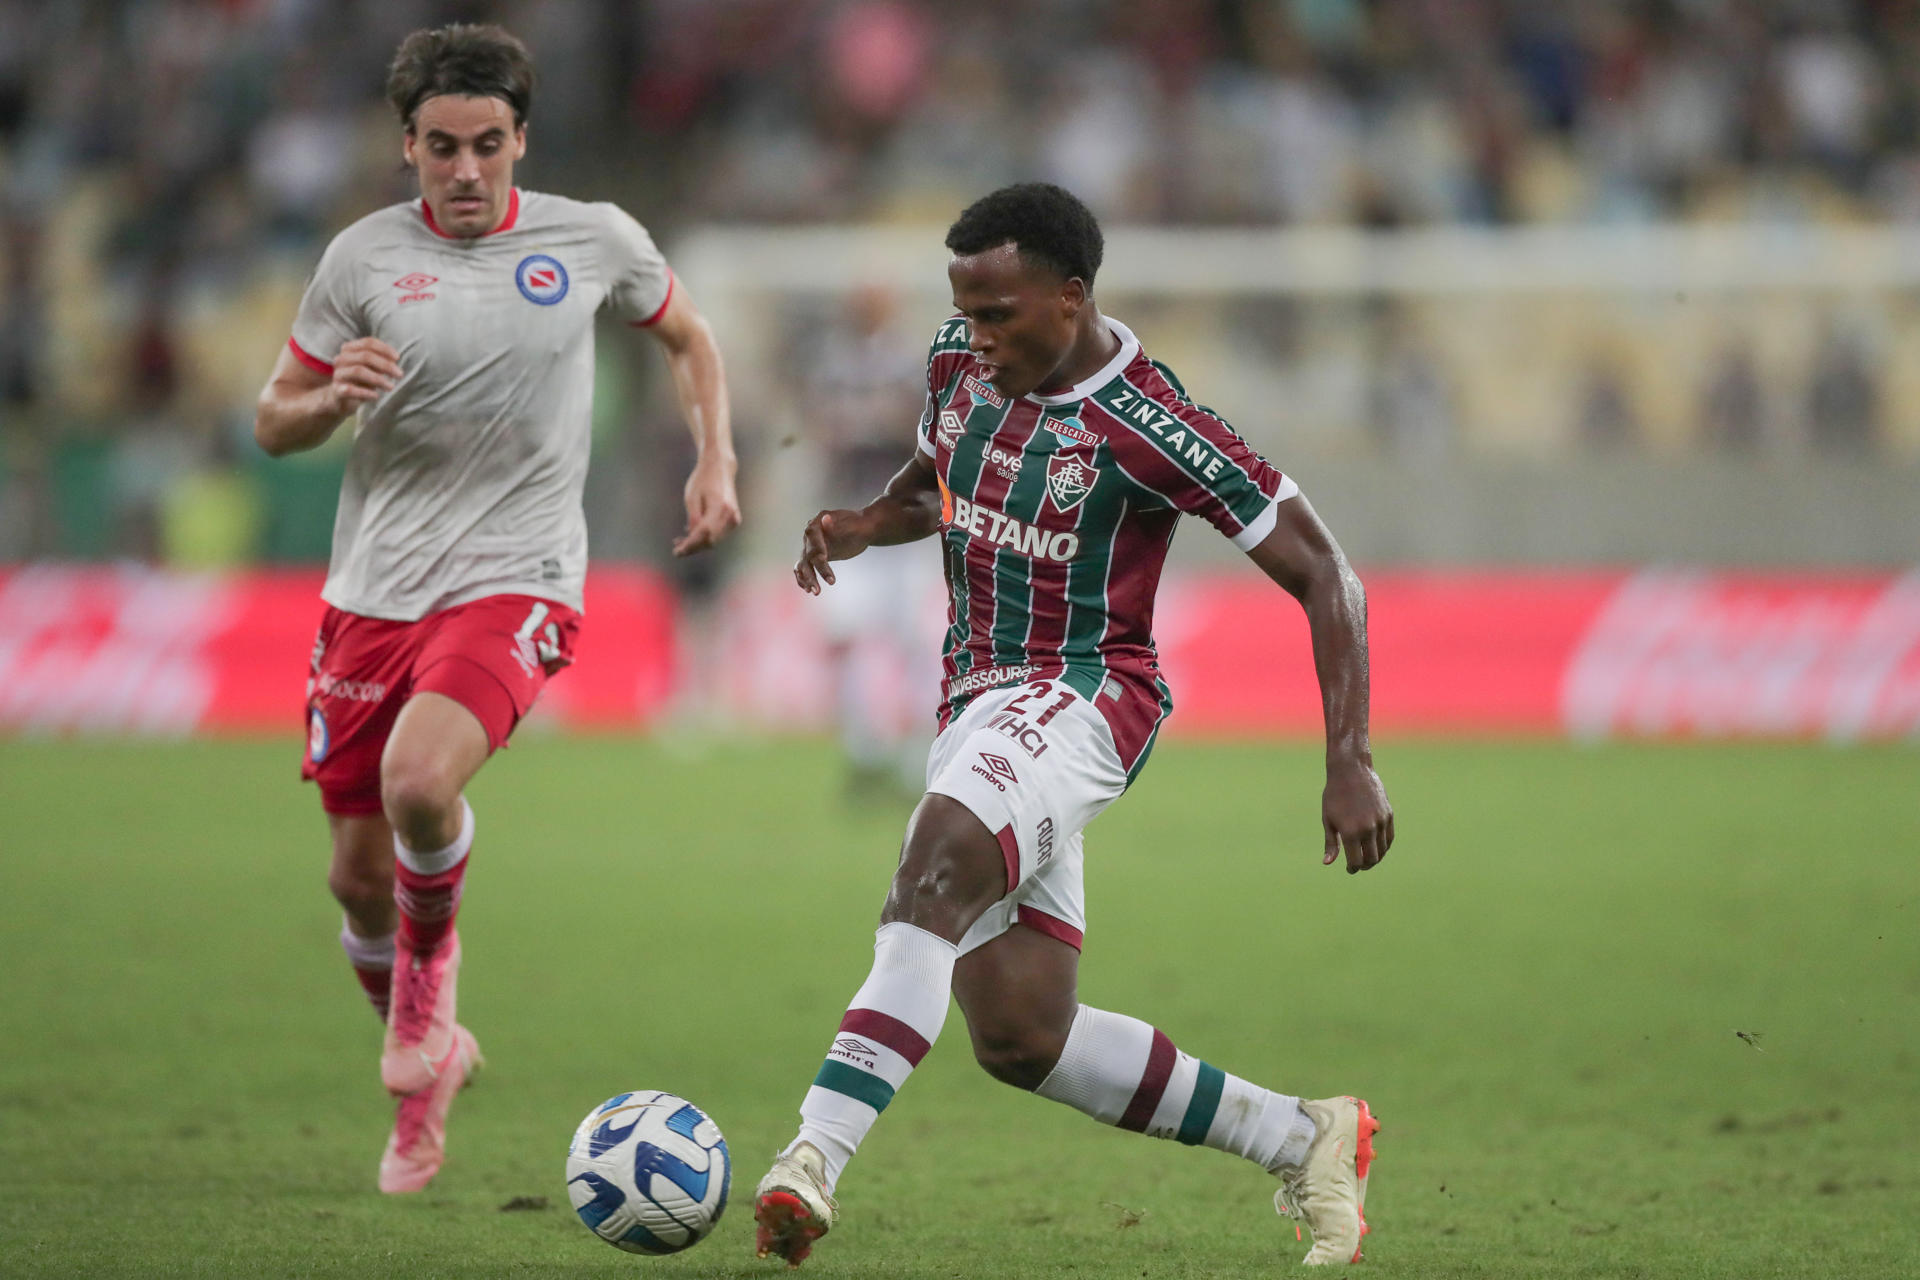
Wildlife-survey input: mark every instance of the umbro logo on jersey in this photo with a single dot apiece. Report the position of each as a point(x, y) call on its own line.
point(981, 393)
point(951, 428)
point(413, 287)
point(1069, 481)
point(541, 279)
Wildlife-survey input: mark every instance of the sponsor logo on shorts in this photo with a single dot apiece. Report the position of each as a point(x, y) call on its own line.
point(987, 678)
point(328, 686)
point(982, 393)
point(1016, 726)
point(318, 739)
point(1043, 840)
point(1017, 536)
point(541, 278)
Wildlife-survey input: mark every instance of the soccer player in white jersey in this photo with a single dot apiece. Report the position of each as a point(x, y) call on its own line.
point(459, 327)
point(1054, 460)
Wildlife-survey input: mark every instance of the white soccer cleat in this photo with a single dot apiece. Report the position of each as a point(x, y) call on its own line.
point(1328, 1190)
point(791, 1207)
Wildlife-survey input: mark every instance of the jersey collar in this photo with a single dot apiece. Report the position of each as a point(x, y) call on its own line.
point(506, 223)
point(1129, 348)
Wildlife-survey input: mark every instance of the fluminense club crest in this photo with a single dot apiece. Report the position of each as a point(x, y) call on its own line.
point(1069, 481)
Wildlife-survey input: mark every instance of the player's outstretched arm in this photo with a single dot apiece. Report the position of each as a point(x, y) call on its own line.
point(1301, 555)
point(700, 383)
point(300, 406)
point(908, 510)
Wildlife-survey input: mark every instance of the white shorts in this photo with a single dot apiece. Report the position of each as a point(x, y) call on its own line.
point(1036, 763)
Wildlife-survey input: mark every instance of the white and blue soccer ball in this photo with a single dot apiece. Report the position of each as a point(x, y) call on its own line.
point(648, 1172)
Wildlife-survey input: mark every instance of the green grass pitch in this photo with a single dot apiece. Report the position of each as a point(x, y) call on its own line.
point(1539, 992)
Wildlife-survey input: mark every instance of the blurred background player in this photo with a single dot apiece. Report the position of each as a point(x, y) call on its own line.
point(460, 328)
point(1055, 460)
point(864, 381)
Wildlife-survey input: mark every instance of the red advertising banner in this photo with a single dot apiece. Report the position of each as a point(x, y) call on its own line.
point(1657, 653)
point(127, 649)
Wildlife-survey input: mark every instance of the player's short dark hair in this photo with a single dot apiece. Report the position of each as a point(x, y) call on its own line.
point(466, 59)
point(1047, 224)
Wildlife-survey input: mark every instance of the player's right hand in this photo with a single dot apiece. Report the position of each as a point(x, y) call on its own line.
point(831, 535)
point(365, 370)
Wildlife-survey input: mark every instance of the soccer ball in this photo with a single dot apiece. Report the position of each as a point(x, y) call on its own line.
point(648, 1172)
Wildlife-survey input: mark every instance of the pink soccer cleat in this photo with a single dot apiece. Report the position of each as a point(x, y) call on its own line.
point(420, 1020)
point(418, 1144)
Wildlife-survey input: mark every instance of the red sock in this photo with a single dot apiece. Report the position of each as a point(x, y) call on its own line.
point(427, 903)
point(372, 961)
point(426, 886)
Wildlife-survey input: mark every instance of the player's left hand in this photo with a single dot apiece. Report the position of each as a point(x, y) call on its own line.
point(1355, 815)
point(713, 508)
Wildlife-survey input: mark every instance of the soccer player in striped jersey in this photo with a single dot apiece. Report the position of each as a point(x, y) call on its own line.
point(1054, 461)
point(459, 328)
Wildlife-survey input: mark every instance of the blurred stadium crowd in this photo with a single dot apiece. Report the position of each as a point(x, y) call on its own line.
point(170, 169)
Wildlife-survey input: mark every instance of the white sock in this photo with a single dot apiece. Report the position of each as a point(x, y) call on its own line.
point(893, 1020)
point(1125, 1073)
point(434, 862)
point(366, 953)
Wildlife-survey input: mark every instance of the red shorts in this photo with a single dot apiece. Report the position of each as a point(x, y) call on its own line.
point(492, 656)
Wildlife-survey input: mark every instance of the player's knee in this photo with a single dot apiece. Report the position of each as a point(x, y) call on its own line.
point(364, 892)
point(421, 798)
point(1022, 1058)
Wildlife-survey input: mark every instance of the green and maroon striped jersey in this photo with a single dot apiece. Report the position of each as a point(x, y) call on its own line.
point(1057, 514)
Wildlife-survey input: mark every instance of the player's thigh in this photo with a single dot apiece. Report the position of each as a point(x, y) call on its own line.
point(436, 747)
point(1035, 763)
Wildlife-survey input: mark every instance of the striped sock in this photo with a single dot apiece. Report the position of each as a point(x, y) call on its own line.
point(1125, 1073)
point(427, 885)
point(372, 961)
point(892, 1022)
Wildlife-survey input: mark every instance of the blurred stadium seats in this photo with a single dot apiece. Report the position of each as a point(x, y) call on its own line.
point(1504, 282)
point(172, 168)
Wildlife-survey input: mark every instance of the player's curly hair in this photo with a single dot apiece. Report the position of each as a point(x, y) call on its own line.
point(1047, 224)
point(469, 59)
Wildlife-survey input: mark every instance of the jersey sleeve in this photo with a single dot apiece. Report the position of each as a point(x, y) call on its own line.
point(331, 314)
point(1196, 462)
point(639, 282)
point(948, 352)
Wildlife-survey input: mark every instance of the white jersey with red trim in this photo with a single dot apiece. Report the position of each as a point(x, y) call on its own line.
point(465, 480)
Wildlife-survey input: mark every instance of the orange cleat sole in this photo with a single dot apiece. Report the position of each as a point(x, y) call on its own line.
point(1362, 1162)
point(784, 1228)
